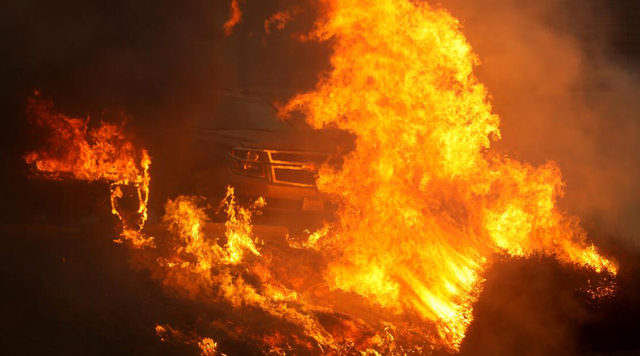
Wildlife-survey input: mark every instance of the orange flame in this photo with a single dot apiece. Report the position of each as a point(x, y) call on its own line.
point(423, 204)
point(207, 346)
point(204, 266)
point(186, 220)
point(234, 18)
point(73, 151)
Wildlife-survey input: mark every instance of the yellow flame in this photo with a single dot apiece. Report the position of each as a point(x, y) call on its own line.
point(423, 204)
point(203, 265)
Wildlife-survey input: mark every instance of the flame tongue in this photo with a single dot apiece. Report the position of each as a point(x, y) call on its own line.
point(422, 204)
point(234, 18)
point(73, 151)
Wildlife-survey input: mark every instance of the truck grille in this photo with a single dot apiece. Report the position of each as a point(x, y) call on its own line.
point(294, 176)
point(295, 168)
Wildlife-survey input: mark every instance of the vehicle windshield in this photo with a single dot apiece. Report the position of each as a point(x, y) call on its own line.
point(238, 114)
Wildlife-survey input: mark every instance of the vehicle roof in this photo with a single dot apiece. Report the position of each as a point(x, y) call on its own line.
point(240, 109)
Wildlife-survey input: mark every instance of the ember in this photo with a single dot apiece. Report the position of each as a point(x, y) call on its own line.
point(234, 18)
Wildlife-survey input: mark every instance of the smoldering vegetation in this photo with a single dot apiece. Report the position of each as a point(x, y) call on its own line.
point(561, 73)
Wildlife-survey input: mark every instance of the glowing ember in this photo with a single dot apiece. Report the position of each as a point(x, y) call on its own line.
point(72, 151)
point(423, 204)
point(234, 18)
point(207, 346)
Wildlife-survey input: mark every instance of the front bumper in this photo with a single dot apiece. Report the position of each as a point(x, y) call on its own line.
point(280, 197)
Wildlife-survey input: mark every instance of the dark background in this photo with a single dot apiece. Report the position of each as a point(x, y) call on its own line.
point(563, 75)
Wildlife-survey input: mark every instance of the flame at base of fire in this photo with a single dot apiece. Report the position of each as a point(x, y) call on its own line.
point(423, 204)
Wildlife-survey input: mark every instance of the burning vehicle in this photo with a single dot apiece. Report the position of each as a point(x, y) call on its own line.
point(388, 162)
point(240, 141)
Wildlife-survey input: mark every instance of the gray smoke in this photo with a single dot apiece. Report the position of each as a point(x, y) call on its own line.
point(566, 92)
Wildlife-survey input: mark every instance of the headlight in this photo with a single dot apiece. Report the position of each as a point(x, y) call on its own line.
point(248, 162)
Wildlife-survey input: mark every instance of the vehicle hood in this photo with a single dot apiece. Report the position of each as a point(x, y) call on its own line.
point(327, 141)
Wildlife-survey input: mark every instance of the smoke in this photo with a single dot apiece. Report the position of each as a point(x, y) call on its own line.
point(565, 92)
point(566, 89)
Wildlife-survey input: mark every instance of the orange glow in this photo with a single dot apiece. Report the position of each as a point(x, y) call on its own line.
point(186, 220)
point(73, 151)
point(205, 265)
point(280, 19)
point(207, 346)
point(423, 203)
point(234, 18)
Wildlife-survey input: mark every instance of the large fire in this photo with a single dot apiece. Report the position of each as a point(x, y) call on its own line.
point(424, 205)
